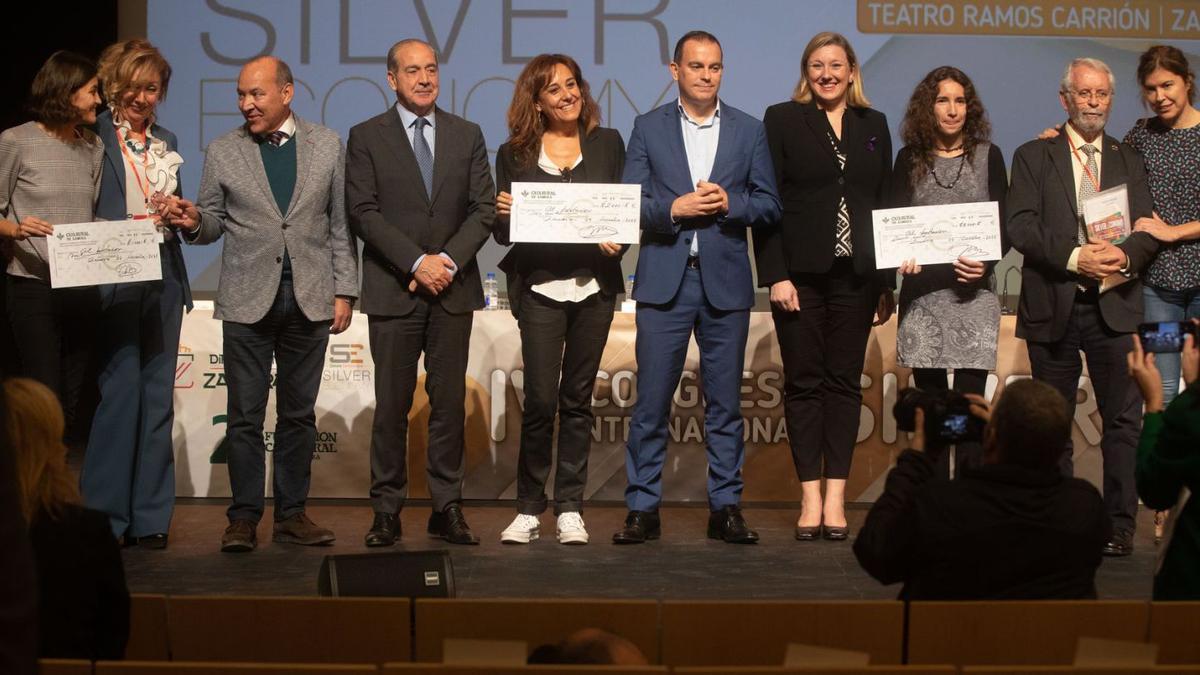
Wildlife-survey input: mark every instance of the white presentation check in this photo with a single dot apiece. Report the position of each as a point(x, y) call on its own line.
point(575, 213)
point(937, 234)
point(107, 252)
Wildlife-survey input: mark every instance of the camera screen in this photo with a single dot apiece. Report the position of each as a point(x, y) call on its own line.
point(955, 426)
point(1165, 336)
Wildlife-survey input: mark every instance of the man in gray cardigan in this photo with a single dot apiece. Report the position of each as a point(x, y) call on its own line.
point(289, 276)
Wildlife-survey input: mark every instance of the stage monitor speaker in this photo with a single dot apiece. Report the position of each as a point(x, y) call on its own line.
point(403, 574)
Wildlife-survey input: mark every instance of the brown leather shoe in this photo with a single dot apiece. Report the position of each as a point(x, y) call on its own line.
point(240, 537)
point(299, 529)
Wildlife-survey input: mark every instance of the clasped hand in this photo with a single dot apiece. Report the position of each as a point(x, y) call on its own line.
point(1100, 260)
point(708, 199)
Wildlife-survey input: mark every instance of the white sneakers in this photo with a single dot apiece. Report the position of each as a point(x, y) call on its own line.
point(522, 530)
point(571, 529)
point(525, 528)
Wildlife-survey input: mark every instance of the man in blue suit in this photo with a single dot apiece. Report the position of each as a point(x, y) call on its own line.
point(706, 175)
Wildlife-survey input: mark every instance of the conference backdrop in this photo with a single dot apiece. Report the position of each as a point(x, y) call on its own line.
point(1015, 51)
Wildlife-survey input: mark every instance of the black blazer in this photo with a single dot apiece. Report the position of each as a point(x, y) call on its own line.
point(1042, 221)
point(936, 277)
point(390, 212)
point(84, 605)
point(811, 185)
point(527, 264)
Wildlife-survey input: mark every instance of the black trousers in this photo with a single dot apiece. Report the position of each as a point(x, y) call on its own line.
point(1118, 398)
point(561, 345)
point(823, 347)
point(397, 343)
point(298, 346)
point(966, 381)
point(53, 330)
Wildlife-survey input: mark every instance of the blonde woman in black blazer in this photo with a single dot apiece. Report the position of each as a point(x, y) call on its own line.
point(833, 164)
point(562, 294)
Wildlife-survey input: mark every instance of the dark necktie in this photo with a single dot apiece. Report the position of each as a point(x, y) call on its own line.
point(424, 154)
point(277, 137)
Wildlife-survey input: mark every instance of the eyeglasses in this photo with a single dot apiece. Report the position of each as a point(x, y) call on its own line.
point(1101, 95)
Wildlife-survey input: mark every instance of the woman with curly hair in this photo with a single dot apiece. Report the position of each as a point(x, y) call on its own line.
point(949, 316)
point(563, 295)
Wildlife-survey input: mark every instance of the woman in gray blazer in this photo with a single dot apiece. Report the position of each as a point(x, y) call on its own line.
point(562, 294)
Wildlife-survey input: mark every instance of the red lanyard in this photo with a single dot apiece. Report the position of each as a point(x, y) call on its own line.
point(1086, 170)
point(145, 188)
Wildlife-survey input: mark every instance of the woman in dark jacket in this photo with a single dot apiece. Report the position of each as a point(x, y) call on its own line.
point(83, 604)
point(833, 162)
point(562, 294)
point(129, 469)
point(949, 316)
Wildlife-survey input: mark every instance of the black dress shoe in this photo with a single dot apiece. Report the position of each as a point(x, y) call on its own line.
point(807, 533)
point(835, 533)
point(452, 526)
point(728, 525)
point(1120, 545)
point(156, 542)
point(640, 526)
point(385, 530)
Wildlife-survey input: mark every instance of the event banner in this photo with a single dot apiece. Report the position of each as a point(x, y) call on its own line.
point(345, 409)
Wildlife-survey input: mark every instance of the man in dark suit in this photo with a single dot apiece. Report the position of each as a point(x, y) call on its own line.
point(420, 196)
point(706, 176)
point(1068, 302)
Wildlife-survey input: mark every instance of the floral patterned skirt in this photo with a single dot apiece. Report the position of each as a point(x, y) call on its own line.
point(949, 328)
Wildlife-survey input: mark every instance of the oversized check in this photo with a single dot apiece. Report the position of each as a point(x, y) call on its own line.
point(107, 252)
point(575, 213)
point(937, 234)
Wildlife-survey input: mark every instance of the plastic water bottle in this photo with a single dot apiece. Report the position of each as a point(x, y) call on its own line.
point(629, 287)
point(491, 292)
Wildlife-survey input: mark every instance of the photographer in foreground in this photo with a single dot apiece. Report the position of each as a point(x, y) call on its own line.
point(1168, 468)
point(1012, 528)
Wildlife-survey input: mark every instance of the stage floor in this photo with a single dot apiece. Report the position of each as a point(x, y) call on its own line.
point(682, 565)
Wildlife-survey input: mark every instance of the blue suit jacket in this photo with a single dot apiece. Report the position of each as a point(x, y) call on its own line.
point(657, 160)
point(110, 205)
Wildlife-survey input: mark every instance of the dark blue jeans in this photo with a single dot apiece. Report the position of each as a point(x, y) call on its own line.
point(298, 346)
point(1167, 305)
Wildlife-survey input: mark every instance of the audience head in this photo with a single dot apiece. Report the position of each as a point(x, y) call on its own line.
point(33, 422)
point(697, 66)
point(135, 77)
point(829, 74)
point(65, 91)
point(264, 90)
point(413, 74)
point(590, 646)
point(1029, 427)
point(550, 92)
point(1086, 93)
point(1167, 81)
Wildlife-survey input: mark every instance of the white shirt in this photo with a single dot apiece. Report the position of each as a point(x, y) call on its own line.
point(700, 139)
point(288, 127)
point(564, 290)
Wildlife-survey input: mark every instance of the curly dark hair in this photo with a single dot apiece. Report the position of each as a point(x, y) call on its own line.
point(55, 83)
point(525, 123)
point(919, 129)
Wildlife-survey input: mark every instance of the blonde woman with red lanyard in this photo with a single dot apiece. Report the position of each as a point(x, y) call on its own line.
point(129, 471)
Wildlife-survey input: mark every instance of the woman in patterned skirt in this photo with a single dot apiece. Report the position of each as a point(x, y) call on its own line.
point(949, 316)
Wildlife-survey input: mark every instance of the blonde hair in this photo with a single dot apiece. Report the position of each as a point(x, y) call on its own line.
point(123, 61)
point(855, 96)
point(33, 421)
